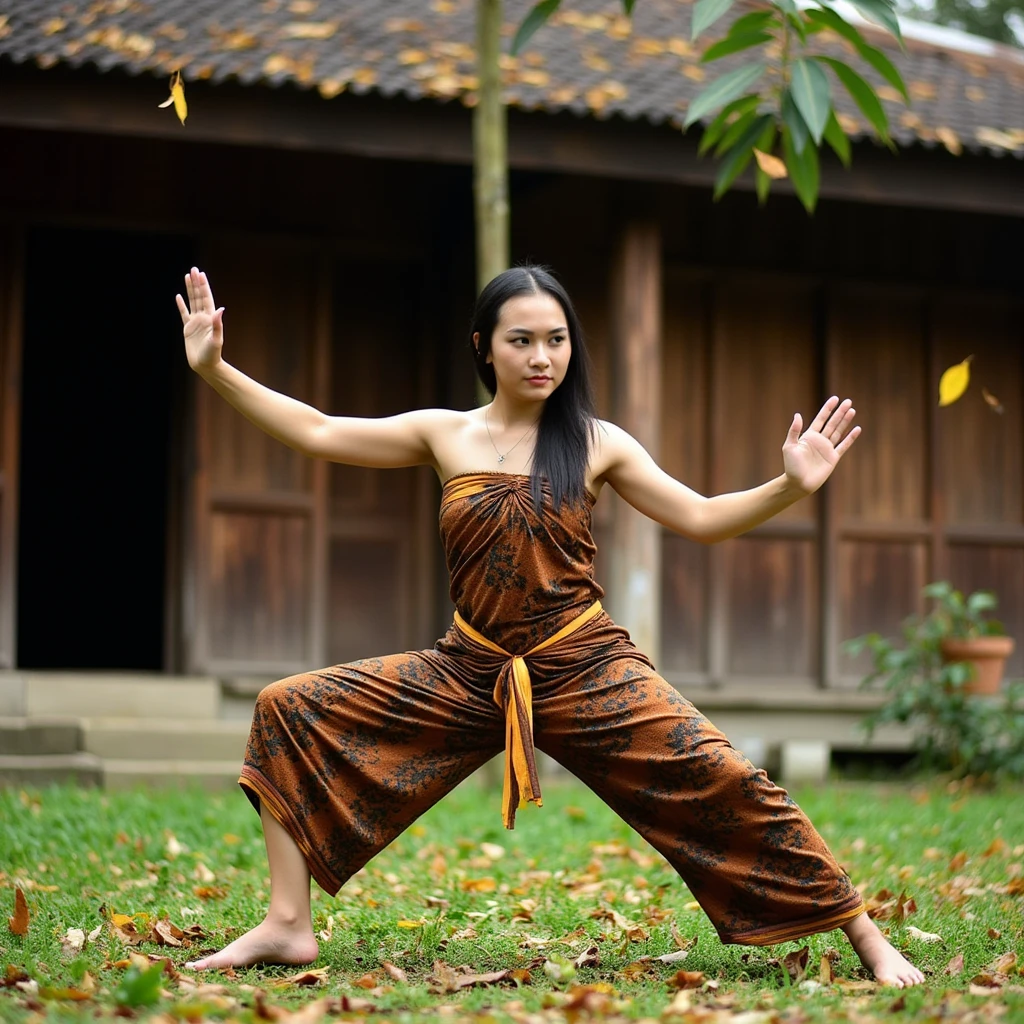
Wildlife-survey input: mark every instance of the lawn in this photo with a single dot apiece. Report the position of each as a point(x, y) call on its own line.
point(563, 919)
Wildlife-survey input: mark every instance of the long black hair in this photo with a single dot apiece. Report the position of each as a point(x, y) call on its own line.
point(568, 423)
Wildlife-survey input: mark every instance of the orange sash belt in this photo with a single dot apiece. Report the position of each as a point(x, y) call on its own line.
point(513, 693)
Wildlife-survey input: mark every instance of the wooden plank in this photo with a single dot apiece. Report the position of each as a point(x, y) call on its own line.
point(11, 291)
point(395, 128)
point(636, 318)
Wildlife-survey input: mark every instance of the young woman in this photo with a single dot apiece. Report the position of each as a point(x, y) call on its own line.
point(341, 761)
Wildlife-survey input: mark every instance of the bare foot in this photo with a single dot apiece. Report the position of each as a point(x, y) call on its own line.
point(269, 942)
point(887, 965)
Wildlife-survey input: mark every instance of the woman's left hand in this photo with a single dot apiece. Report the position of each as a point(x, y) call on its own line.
point(810, 457)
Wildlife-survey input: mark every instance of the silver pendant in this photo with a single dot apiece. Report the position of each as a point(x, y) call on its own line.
point(501, 459)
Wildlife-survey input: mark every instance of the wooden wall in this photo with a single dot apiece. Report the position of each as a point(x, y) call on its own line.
point(925, 494)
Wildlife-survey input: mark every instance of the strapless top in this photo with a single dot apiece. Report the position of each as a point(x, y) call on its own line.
point(518, 574)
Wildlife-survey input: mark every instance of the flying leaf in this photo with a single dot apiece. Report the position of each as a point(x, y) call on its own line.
point(19, 923)
point(991, 401)
point(953, 383)
point(177, 97)
point(771, 165)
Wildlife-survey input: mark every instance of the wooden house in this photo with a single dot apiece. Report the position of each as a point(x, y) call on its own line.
point(323, 180)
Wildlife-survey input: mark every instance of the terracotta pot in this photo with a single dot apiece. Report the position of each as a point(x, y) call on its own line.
point(987, 654)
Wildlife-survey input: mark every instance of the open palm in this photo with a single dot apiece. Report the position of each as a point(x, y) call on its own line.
point(810, 456)
point(203, 322)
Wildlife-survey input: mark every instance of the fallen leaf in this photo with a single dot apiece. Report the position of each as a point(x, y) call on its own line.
point(493, 850)
point(405, 923)
point(72, 942)
point(955, 966)
point(675, 957)
point(994, 933)
point(685, 979)
point(177, 97)
point(826, 969)
point(19, 923)
point(393, 972)
point(479, 885)
point(1005, 964)
point(303, 979)
point(445, 978)
point(795, 963)
point(916, 933)
point(590, 957)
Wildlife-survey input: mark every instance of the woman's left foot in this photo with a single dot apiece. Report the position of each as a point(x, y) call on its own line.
point(877, 954)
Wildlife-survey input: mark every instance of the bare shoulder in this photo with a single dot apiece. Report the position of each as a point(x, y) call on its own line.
point(612, 446)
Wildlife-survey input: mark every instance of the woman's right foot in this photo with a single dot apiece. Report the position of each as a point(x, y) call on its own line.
point(267, 943)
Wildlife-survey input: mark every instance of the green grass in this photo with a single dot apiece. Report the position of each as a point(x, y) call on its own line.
point(81, 855)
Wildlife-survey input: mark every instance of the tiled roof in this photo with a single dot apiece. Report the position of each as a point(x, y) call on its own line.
point(589, 59)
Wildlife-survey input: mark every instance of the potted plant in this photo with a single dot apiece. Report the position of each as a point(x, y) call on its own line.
point(967, 635)
point(933, 693)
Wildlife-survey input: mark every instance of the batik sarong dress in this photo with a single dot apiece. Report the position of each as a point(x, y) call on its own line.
point(348, 757)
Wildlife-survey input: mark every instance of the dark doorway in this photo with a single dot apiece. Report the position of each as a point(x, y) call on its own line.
point(103, 371)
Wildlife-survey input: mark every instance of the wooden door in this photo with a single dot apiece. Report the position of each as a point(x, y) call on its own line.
point(253, 576)
point(11, 249)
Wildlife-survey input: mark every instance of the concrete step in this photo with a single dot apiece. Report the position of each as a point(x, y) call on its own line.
point(167, 739)
point(46, 769)
point(104, 694)
point(127, 773)
point(39, 736)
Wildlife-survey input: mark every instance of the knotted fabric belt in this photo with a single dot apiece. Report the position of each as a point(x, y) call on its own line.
point(513, 693)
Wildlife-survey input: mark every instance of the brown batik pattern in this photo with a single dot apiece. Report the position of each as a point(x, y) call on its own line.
point(348, 757)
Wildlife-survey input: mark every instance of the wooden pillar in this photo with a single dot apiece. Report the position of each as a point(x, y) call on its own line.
point(636, 363)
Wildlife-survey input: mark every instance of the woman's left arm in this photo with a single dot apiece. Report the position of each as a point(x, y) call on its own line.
point(808, 458)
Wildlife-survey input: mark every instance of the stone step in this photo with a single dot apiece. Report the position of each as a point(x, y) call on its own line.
point(39, 736)
point(46, 769)
point(167, 739)
point(127, 773)
point(108, 694)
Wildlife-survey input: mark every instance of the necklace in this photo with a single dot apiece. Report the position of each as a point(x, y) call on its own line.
point(501, 458)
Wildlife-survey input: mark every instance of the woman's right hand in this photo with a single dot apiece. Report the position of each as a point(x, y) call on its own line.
point(203, 322)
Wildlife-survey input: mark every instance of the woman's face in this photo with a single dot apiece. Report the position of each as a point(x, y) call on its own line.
point(530, 347)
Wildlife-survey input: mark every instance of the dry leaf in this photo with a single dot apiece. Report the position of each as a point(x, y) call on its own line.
point(1005, 964)
point(996, 406)
point(955, 966)
point(19, 923)
point(405, 923)
point(994, 933)
point(72, 942)
point(309, 29)
point(590, 957)
point(952, 385)
point(771, 165)
point(393, 972)
point(673, 958)
point(686, 979)
point(916, 933)
point(177, 97)
point(795, 963)
point(304, 979)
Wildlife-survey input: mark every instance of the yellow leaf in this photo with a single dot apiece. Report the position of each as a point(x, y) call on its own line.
point(771, 165)
point(404, 923)
point(177, 97)
point(954, 381)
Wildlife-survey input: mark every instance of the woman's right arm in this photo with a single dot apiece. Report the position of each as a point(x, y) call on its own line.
point(388, 442)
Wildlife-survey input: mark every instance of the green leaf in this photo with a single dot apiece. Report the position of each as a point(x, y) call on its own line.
point(533, 21)
point(733, 164)
point(733, 44)
point(803, 171)
point(627, 6)
point(862, 93)
point(723, 90)
point(762, 181)
point(826, 18)
point(140, 988)
point(735, 131)
point(836, 138)
point(706, 13)
point(881, 13)
point(714, 131)
point(792, 14)
point(756, 21)
point(793, 119)
point(812, 96)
